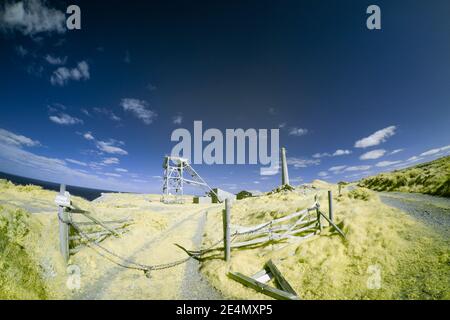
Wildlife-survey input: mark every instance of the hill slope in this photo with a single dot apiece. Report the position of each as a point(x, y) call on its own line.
point(430, 178)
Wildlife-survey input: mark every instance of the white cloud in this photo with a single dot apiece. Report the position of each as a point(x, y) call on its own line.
point(65, 119)
point(140, 181)
point(359, 174)
point(116, 175)
point(55, 107)
point(387, 163)
point(396, 151)
point(121, 170)
point(295, 180)
point(230, 186)
point(414, 159)
point(63, 75)
point(323, 174)
point(337, 169)
point(294, 131)
point(31, 17)
point(80, 163)
point(178, 119)
point(109, 113)
point(321, 155)
point(15, 160)
point(340, 152)
point(358, 168)
point(151, 87)
point(376, 138)
point(434, 151)
point(21, 51)
point(269, 171)
point(16, 139)
point(85, 112)
point(55, 60)
point(110, 147)
point(88, 136)
point(374, 154)
point(139, 108)
point(111, 160)
point(302, 163)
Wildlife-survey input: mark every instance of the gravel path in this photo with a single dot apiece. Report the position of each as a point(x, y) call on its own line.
point(433, 211)
point(181, 282)
point(194, 285)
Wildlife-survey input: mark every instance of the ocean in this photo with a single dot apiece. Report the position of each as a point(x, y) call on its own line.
point(86, 193)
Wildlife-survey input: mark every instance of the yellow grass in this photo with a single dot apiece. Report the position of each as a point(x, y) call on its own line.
point(31, 267)
point(414, 262)
point(431, 178)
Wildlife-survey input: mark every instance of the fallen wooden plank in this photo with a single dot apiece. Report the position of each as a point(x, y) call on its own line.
point(334, 226)
point(263, 276)
point(261, 287)
point(279, 278)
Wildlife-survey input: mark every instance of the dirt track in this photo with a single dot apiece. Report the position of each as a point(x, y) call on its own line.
point(110, 281)
point(431, 210)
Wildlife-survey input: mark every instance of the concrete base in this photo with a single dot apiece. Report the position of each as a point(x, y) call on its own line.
point(202, 200)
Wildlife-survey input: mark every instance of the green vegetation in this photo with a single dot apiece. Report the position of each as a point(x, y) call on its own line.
point(430, 178)
point(19, 274)
point(243, 194)
point(360, 193)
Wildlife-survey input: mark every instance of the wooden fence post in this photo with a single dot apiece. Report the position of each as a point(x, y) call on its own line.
point(226, 230)
point(63, 227)
point(330, 205)
point(316, 200)
point(318, 219)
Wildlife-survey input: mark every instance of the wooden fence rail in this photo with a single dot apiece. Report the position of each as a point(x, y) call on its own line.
point(304, 227)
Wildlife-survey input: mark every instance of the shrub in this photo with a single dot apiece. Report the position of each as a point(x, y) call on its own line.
point(360, 194)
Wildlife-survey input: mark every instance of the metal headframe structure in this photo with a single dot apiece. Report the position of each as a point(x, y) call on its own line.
point(175, 169)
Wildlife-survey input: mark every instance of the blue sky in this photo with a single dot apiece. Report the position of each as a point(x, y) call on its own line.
point(96, 107)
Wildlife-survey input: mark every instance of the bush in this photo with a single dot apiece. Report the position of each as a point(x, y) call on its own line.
point(20, 276)
point(360, 194)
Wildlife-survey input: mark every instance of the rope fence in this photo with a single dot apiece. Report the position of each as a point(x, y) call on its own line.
point(305, 225)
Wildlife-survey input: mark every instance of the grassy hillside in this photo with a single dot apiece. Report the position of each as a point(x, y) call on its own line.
point(430, 178)
point(412, 258)
point(20, 276)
